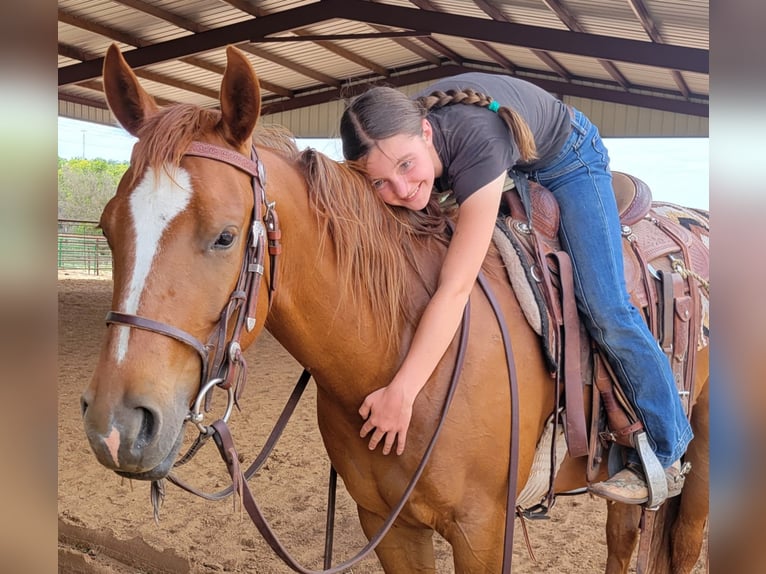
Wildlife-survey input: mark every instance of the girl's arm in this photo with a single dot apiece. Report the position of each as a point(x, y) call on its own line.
point(389, 409)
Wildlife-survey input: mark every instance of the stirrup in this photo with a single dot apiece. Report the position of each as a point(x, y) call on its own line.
point(654, 474)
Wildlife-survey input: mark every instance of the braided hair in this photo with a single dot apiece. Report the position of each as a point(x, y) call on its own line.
point(384, 112)
point(522, 135)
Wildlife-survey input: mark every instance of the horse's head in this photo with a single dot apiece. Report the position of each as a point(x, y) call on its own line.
point(179, 227)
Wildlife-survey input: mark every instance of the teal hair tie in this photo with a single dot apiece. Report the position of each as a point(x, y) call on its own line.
point(493, 106)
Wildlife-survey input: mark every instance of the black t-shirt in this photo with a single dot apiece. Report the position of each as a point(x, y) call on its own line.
point(475, 145)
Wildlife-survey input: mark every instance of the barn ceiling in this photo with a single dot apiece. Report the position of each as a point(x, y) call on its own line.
point(648, 53)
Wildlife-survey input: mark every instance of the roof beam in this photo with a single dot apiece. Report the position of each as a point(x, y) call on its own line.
point(290, 65)
point(163, 14)
point(553, 85)
point(209, 40)
point(437, 46)
point(117, 35)
point(570, 21)
point(642, 13)
point(325, 43)
point(496, 56)
point(196, 27)
point(413, 47)
point(496, 14)
point(533, 37)
point(482, 46)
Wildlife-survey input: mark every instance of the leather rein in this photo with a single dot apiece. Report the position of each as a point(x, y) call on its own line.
point(223, 365)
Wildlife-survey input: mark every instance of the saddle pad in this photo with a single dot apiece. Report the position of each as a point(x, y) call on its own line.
point(518, 278)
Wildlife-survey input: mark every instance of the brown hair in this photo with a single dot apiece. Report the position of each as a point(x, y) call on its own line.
point(383, 112)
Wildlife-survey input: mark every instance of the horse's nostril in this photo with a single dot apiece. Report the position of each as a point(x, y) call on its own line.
point(146, 431)
point(83, 406)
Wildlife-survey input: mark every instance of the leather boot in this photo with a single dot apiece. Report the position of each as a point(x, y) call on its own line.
point(629, 486)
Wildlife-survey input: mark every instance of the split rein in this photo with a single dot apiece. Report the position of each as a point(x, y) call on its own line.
point(227, 369)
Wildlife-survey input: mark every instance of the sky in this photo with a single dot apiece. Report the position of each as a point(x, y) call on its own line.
point(676, 169)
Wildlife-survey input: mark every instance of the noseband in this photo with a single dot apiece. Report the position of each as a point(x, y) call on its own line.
point(223, 364)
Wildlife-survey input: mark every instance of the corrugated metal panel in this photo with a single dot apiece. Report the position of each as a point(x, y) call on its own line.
point(680, 22)
point(521, 57)
point(86, 113)
point(647, 76)
point(683, 23)
point(619, 120)
point(320, 121)
point(531, 13)
point(698, 83)
point(607, 18)
point(613, 120)
point(583, 67)
point(461, 8)
point(281, 5)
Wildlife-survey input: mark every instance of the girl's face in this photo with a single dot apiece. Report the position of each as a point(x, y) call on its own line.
point(402, 168)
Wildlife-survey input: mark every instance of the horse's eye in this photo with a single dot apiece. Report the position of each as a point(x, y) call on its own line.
point(224, 240)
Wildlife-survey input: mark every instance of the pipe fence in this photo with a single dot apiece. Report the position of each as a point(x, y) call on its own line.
point(82, 247)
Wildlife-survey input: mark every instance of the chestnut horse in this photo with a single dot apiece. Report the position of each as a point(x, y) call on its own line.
point(352, 279)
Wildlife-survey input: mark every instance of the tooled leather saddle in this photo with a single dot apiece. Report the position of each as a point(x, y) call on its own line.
point(666, 263)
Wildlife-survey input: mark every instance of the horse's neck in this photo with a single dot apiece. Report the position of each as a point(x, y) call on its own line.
point(332, 334)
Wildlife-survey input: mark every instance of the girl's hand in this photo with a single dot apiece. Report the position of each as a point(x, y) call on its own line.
point(388, 411)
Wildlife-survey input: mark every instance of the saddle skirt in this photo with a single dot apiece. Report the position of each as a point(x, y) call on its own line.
point(667, 272)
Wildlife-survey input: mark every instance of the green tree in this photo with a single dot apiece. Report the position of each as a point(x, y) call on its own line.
point(84, 186)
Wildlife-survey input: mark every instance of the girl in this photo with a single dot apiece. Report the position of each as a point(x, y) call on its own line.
point(409, 147)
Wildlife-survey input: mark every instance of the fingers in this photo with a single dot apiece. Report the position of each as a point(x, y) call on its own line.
point(377, 436)
point(366, 428)
point(364, 410)
point(401, 442)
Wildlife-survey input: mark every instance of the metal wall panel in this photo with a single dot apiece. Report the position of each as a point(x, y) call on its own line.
point(619, 120)
point(613, 120)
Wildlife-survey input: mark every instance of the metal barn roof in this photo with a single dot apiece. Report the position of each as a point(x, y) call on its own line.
point(640, 64)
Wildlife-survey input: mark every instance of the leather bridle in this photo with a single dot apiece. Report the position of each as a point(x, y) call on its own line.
point(222, 361)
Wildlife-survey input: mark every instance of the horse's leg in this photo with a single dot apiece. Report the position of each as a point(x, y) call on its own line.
point(622, 530)
point(404, 549)
point(676, 542)
point(688, 530)
point(477, 540)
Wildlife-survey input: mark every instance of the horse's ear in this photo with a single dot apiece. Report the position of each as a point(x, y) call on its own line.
point(129, 102)
point(240, 98)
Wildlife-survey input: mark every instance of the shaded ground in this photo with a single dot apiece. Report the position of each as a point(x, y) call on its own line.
point(106, 523)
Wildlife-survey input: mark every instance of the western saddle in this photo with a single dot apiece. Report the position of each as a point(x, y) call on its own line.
point(667, 275)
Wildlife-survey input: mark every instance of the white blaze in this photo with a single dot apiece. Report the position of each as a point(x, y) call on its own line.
point(154, 203)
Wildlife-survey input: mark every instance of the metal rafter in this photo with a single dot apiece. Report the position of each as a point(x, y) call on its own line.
point(568, 42)
point(642, 13)
point(196, 27)
point(546, 57)
point(593, 45)
point(483, 46)
point(572, 23)
point(553, 85)
point(132, 40)
point(290, 64)
point(328, 45)
point(386, 20)
point(413, 47)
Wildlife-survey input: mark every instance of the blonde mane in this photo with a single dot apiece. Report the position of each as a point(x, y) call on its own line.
point(376, 245)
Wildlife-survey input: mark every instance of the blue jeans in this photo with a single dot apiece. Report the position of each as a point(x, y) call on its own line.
point(580, 179)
